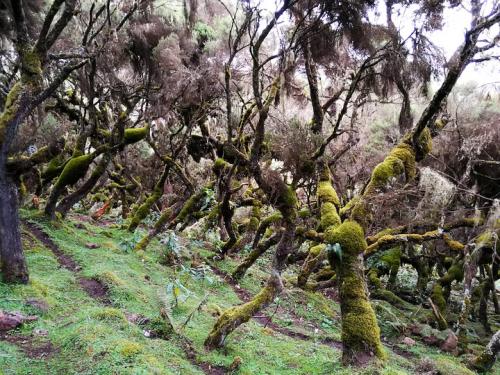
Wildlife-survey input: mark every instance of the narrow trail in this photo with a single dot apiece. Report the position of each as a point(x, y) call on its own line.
point(98, 291)
point(94, 288)
point(266, 320)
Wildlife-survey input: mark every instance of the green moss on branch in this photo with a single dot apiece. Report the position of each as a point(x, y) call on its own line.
point(237, 315)
point(134, 135)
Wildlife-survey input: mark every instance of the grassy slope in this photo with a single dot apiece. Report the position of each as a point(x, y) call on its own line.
point(91, 338)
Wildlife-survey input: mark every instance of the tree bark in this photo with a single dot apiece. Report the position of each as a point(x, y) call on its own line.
point(485, 361)
point(14, 268)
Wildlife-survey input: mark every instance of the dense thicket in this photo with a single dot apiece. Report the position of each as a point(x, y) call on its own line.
point(312, 131)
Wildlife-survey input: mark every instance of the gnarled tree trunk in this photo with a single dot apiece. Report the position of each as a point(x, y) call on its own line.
point(14, 267)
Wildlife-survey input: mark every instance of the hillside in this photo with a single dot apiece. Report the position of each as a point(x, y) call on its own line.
point(98, 306)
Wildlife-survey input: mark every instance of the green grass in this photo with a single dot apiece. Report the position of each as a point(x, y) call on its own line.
point(92, 338)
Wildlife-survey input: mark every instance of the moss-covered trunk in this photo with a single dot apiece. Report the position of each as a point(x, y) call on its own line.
point(360, 331)
point(314, 257)
point(69, 201)
point(485, 361)
point(75, 169)
point(233, 317)
point(172, 216)
point(144, 209)
point(254, 255)
point(157, 228)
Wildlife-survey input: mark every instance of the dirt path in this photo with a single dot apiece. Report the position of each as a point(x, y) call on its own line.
point(33, 347)
point(94, 288)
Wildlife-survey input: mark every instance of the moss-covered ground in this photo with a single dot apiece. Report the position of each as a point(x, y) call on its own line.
point(76, 333)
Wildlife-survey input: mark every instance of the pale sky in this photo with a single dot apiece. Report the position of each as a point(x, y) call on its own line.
point(456, 22)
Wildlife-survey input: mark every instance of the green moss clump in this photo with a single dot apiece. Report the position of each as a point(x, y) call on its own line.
point(220, 165)
point(10, 109)
point(374, 279)
point(329, 201)
point(453, 244)
point(454, 273)
point(99, 197)
point(350, 236)
point(109, 313)
point(254, 221)
point(487, 238)
point(446, 366)
point(400, 160)
point(135, 134)
point(54, 167)
point(437, 297)
point(106, 133)
point(304, 213)
point(425, 141)
point(326, 193)
point(159, 327)
point(111, 279)
point(31, 65)
point(316, 255)
point(273, 218)
point(392, 258)
point(189, 206)
point(317, 249)
point(344, 211)
point(329, 216)
point(440, 124)
point(74, 169)
point(288, 202)
point(142, 212)
point(128, 348)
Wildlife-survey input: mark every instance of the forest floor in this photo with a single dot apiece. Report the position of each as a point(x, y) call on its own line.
point(98, 306)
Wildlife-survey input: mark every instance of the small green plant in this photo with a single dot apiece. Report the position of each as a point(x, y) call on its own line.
point(208, 198)
point(203, 32)
point(171, 242)
point(334, 251)
point(213, 237)
point(178, 292)
point(171, 248)
point(128, 243)
point(199, 273)
point(151, 219)
point(327, 323)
